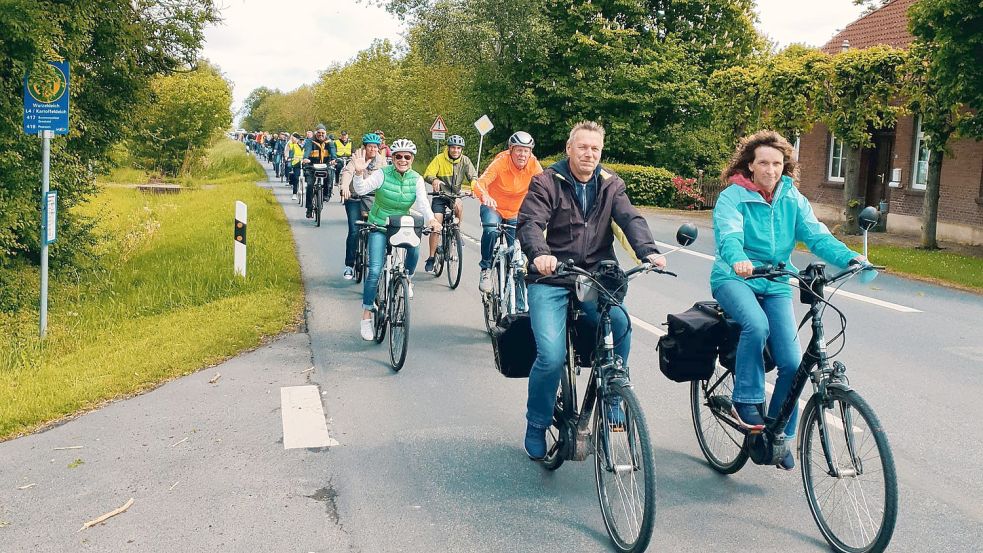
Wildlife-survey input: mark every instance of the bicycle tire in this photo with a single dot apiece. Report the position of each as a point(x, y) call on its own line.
point(633, 454)
point(858, 496)
point(360, 262)
point(724, 447)
point(438, 254)
point(399, 323)
point(454, 259)
point(555, 438)
point(381, 303)
point(318, 205)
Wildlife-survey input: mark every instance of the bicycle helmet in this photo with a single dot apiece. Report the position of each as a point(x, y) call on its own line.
point(455, 140)
point(522, 138)
point(402, 145)
point(371, 138)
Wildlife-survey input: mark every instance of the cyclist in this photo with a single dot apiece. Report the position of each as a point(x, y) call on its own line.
point(450, 172)
point(343, 149)
point(384, 148)
point(758, 219)
point(356, 207)
point(318, 152)
point(276, 148)
point(295, 154)
point(397, 188)
point(501, 189)
point(577, 200)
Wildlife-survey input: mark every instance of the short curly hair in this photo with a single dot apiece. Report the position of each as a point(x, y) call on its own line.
point(744, 155)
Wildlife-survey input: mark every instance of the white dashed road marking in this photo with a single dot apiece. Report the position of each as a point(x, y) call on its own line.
point(303, 418)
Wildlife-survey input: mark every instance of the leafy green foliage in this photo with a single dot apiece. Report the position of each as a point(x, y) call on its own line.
point(114, 48)
point(862, 93)
point(647, 185)
point(186, 112)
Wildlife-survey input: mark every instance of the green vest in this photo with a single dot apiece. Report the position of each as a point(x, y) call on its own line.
point(395, 196)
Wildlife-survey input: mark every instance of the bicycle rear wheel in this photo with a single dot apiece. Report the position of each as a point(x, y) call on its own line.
point(723, 445)
point(454, 254)
point(492, 306)
point(380, 317)
point(855, 505)
point(360, 257)
point(624, 467)
point(399, 323)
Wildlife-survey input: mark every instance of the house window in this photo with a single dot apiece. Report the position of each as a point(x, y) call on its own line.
point(836, 168)
point(919, 172)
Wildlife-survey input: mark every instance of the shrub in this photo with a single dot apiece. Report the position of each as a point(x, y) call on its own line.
point(687, 197)
point(647, 185)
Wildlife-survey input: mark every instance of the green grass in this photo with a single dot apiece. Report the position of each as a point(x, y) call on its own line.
point(161, 302)
point(940, 266)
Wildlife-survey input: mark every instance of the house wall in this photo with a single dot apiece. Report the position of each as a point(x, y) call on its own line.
point(961, 193)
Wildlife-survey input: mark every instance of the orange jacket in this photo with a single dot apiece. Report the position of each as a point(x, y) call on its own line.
point(506, 184)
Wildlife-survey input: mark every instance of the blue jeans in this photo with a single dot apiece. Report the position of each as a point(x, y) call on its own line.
point(548, 314)
point(377, 257)
point(353, 208)
point(763, 319)
point(489, 216)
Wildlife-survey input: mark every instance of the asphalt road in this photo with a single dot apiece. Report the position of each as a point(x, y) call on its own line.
point(430, 459)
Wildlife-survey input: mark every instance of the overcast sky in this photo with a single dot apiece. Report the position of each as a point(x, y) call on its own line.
point(285, 43)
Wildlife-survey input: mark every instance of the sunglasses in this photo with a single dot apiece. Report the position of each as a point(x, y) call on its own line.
point(407, 157)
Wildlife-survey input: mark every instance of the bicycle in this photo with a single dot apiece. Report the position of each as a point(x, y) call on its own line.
point(338, 168)
point(624, 464)
point(509, 287)
point(450, 250)
point(392, 300)
point(321, 192)
point(835, 432)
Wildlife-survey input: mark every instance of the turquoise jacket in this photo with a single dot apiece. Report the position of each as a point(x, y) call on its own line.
point(747, 228)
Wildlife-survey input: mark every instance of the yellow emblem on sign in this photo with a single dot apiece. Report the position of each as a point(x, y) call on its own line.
point(48, 88)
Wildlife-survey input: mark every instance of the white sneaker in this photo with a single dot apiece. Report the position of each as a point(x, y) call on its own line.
point(294, 197)
point(368, 333)
point(485, 282)
point(409, 288)
point(349, 273)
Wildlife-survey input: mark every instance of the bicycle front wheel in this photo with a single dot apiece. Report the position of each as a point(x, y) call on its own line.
point(453, 255)
point(381, 315)
point(722, 444)
point(624, 467)
point(849, 480)
point(318, 205)
point(399, 323)
point(361, 261)
point(438, 261)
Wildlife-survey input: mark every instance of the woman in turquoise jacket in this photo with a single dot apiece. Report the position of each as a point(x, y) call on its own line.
point(757, 220)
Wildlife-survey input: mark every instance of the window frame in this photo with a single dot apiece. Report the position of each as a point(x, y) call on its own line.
point(918, 137)
point(831, 145)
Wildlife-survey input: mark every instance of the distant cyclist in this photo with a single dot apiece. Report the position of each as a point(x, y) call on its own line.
point(397, 188)
point(357, 207)
point(343, 152)
point(449, 172)
point(501, 189)
point(295, 155)
point(319, 152)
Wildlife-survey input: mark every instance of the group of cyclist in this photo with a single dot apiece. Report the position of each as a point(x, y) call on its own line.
point(573, 210)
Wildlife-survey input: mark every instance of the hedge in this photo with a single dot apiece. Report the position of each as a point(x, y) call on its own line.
point(651, 186)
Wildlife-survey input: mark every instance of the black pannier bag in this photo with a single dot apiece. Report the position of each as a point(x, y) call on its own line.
point(689, 349)
point(514, 345)
point(695, 340)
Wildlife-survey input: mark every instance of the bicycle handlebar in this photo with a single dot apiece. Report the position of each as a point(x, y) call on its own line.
point(373, 226)
point(772, 272)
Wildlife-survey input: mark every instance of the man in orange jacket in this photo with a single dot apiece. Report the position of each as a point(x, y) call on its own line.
point(501, 189)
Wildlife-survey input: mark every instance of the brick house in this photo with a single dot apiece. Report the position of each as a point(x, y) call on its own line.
point(895, 169)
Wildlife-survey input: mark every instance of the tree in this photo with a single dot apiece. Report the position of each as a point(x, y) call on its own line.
point(945, 86)
point(187, 111)
point(252, 106)
point(861, 96)
point(115, 48)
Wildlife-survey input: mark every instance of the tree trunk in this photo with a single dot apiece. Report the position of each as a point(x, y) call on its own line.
point(930, 205)
point(853, 197)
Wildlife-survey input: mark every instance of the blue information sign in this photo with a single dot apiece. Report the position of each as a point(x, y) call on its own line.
point(46, 101)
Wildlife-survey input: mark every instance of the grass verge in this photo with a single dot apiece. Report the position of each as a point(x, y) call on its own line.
point(162, 300)
point(938, 266)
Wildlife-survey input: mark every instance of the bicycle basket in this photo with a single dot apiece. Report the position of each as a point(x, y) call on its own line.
point(514, 345)
point(404, 231)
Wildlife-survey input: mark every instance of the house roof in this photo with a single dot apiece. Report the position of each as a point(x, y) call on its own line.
point(887, 25)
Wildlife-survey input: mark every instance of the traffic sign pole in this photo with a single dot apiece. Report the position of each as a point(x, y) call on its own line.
point(45, 183)
point(484, 126)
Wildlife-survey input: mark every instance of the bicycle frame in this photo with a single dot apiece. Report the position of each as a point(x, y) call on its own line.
point(510, 266)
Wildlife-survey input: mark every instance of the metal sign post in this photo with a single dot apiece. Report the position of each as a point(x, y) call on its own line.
point(438, 131)
point(484, 126)
point(46, 114)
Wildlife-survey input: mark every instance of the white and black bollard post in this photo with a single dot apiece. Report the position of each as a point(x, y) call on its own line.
point(240, 240)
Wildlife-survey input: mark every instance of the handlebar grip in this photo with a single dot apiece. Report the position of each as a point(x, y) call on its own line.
point(762, 270)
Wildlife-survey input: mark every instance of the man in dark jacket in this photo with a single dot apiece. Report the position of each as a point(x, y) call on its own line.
point(568, 215)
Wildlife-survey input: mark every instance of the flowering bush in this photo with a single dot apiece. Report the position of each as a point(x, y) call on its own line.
point(687, 197)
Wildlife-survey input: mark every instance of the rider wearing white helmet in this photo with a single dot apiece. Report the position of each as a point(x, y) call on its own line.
point(397, 188)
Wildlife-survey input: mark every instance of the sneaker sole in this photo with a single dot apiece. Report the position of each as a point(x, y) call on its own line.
point(751, 428)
